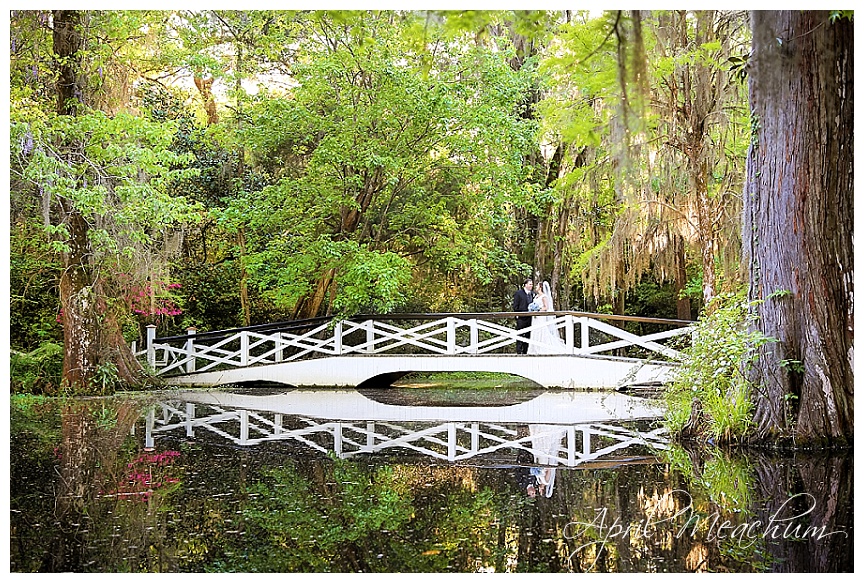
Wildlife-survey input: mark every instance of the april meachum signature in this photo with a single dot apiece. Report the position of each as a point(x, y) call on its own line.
point(781, 524)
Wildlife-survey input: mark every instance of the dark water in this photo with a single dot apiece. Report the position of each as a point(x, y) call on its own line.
point(405, 481)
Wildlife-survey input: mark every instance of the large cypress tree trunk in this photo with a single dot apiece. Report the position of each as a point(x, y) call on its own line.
point(798, 223)
point(77, 297)
point(91, 332)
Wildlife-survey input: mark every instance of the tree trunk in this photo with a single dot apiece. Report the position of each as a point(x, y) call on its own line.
point(244, 279)
point(350, 220)
point(77, 296)
point(798, 223)
point(309, 306)
point(701, 99)
point(683, 302)
point(205, 88)
point(78, 302)
point(91, 333)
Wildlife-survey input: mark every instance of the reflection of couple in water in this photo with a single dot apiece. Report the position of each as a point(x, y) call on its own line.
point(546, 444)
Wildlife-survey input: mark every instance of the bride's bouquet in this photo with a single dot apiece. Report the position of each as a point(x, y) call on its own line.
point(533, 307)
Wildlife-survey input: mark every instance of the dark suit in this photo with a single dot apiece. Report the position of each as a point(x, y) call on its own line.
point(520, 304)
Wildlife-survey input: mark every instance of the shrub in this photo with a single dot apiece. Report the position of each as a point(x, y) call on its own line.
point(714, 371)
point(39, 371)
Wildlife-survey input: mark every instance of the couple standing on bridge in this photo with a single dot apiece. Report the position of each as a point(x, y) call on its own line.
point(544, 337)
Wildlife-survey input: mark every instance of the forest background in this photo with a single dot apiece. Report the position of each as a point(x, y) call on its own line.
point(214, 169)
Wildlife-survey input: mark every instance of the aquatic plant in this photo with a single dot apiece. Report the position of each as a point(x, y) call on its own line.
point(709, 396)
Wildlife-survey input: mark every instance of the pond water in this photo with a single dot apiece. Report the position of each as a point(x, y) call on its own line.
point(411, 479)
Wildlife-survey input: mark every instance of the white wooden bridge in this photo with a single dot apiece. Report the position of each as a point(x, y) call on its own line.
point(377, 350)
point(567, 428)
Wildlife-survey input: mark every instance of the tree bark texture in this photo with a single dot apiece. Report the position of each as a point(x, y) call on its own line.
point(67, 46)
point(680, 282)
point(798, 223)
point(78, 302)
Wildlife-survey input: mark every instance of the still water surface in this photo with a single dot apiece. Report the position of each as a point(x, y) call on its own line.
point(406, 480)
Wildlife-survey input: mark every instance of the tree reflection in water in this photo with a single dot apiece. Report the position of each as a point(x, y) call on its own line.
point(77, 505)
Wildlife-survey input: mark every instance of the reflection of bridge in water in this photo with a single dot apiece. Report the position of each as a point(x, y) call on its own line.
point(598, 351)
point(557, 428)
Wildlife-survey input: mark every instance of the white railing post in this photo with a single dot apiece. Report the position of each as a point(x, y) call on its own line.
point(370, 335)
point(451, 335)
point(568, 334)
point(337, 439)
point(279, 355)
point(190, 349)
point(583, 324)
point(149, 425)
point(370, 435)
point(190, 417)
point(244, 348)
point(337, 338)
point(586, 443)
point(244, 426)
point(475, 336)
point(151, 349)
point(475, 438)
point(451, 441)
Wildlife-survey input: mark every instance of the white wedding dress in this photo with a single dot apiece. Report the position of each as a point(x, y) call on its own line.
point(546, 441)
point(544, 335)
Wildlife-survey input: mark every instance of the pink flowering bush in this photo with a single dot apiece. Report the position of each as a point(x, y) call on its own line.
point(139, 300)
point(148, 473)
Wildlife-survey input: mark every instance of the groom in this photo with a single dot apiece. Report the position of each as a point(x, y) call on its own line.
point(521, 300)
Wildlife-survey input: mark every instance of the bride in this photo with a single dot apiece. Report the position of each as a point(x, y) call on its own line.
point(546, 443)
point(544, 333)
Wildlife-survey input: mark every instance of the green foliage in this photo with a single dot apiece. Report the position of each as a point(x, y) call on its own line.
point(389, 156)
point(408, 157)
point(714, 370)
point(652, 300)
point(729, 482)
point(738, 67)
point(373, 282)
point(841, 14)
point(39, 371)
point(210, 295)
point(779, 293)
point(105, 380)
point(724, 486)
point(302, 531)
point(33, 275)
point(107, 180)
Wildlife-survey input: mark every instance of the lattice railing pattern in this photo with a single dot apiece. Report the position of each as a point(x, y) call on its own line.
point(448, 441)
point(448, 335)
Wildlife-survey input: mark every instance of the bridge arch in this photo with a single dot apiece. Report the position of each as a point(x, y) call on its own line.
point(390, 378)
point(385, 379)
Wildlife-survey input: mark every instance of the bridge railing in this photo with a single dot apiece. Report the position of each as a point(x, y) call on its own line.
point(569, 445)
point(412, 334)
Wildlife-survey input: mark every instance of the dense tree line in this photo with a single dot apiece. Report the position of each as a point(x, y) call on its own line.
point(225, 168)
